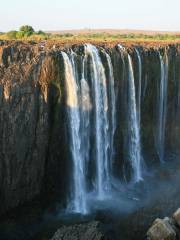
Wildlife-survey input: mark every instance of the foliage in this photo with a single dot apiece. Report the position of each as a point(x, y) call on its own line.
point(27, 30)
point(20, 35)
point(12, 34)
point(40, 32)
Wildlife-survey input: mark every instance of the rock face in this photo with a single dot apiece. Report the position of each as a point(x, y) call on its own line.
point(87, 231)
point(33, 136)
point(29, 92)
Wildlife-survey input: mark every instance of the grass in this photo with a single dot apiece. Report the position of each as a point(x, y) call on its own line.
point(95, 36)
point(110, 39)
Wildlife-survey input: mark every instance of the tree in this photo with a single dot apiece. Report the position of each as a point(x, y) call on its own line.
point(40, 32)
point(27, 30)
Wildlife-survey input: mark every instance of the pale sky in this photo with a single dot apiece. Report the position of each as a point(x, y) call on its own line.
point(78, 14)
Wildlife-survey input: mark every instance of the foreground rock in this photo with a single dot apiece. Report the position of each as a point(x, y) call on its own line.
point(87, 231)
point(165, 229)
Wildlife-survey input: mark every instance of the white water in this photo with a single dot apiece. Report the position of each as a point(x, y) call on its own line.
point(79, 203)
point(134, 116)
point(134, 147)
point(160, 138)
point(86, 107)
point(101, 128)
point(112, 110)
point(91, 107)
point(139, 86)
point(81, 108)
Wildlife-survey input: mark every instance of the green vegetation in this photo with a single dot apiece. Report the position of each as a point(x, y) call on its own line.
point(12, 34)
point(27, 32)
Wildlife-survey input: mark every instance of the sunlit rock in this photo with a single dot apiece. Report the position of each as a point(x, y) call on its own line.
point(176, 216)
point(161, 230)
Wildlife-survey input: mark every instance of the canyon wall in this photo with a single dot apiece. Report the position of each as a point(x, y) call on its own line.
point(34, 152)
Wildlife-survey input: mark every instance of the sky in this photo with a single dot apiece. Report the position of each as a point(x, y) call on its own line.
point(80, 14)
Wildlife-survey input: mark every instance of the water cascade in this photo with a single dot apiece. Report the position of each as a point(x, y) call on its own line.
point(80, 108)
point(162, 102)
point(139, 85)
point(134, 127)
point(133, 115)
point(101, 126)
point(112, 109)
point(92, 118)
point(79, 182)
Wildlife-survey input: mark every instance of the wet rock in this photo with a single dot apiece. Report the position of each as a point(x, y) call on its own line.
point(86, 231)
point(161, 230)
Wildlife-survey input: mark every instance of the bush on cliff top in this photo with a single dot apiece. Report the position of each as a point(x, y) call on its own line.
point(12, 34)
point(27, 30)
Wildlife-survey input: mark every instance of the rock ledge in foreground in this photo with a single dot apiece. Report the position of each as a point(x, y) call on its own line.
point(165, 229)
point(85, 231)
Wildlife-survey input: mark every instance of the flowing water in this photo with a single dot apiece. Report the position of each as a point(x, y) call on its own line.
point(134, 127)
point(101, 125)
point(91, 107)
point(112, 110)
point(79, 180)
point(139, 85)
point(162, 99)
point(133, 114)
point(79, 107)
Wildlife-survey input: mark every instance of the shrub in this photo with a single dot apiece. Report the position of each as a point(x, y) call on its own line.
point(12, 34)
point(19, 35)
point(41, 32)
point(68, 35)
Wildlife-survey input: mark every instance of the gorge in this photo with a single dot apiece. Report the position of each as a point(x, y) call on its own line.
point(90, 126)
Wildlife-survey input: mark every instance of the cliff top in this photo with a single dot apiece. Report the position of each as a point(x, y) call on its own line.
point(99, 37)
point(64, 43)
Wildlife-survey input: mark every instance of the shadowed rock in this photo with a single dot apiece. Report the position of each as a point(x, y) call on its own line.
point(87, 231)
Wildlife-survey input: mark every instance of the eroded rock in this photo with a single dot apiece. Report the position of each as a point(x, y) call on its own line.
point(86, 231)
point(161, 230)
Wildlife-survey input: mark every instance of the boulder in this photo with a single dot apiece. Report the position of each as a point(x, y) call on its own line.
point(176, 217)
point(161, 230)
point(86, 231)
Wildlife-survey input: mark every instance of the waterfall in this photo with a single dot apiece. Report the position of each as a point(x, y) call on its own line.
point(91, 110)
point(133, 116)
point(134, 127)
point(160, 141)
point(101, 128)
point(112, 109)
point(139, 85)
point(79, 203)
point(80, 108)
point(86, 107)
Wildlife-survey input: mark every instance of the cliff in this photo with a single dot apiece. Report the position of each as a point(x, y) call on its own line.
point(29, 92)
point(34, 138)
